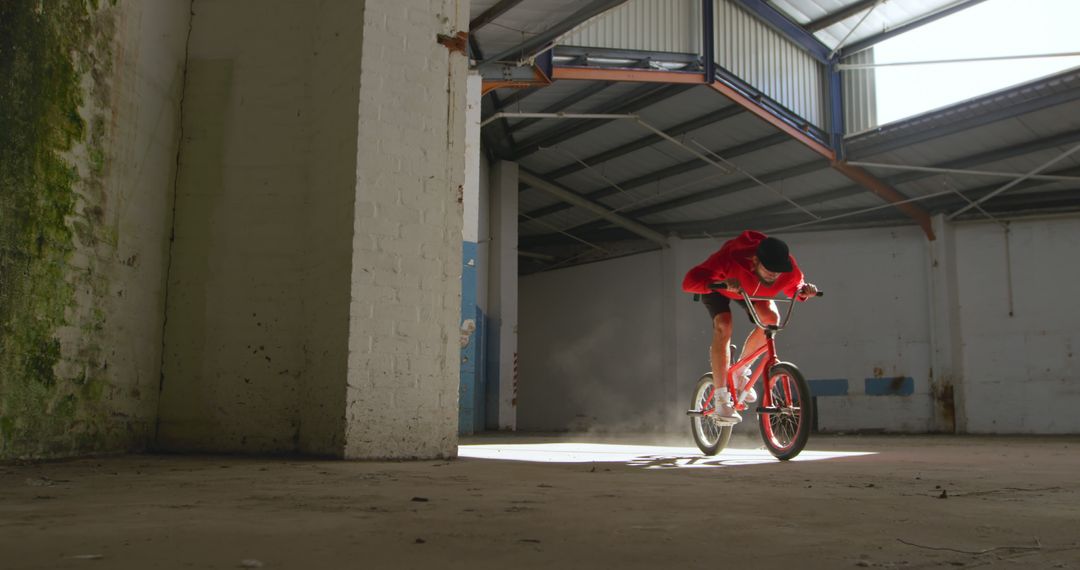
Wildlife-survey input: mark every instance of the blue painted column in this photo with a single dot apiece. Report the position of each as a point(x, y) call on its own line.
point(473, 270)
point(473, 340)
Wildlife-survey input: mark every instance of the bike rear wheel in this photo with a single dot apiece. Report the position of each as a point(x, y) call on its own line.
point(786, 430)
point(710, 436)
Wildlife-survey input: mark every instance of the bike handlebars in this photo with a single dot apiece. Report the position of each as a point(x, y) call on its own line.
point(722, 285)
point(753, 313)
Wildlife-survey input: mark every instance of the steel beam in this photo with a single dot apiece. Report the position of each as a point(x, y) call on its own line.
point(648, 140)
point(575, 97)
point(1029, 174)
point(794, 32)
point(887, 193)
point(965, 172)
point(491, 14)
point(771, 217)
point(965, 162)
point(846, 191)
point(711, 193)
point(576, 200)
point(836, 110)
point(751, 104)
point(1029, 106)
point(589, 52)
point(745, 184)
point(627, 74)
point(878, 38)
point(639, 99)
point(708, 38)
point(838, 16)
point(856, 66)
point(729, 152)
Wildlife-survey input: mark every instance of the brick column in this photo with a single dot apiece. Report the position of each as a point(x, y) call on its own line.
point(403, 366)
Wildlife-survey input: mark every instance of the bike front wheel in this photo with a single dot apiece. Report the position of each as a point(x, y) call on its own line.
point(786, 424)
point(711, 437)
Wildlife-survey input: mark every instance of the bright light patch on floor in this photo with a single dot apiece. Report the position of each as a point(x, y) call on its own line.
point(649, 457)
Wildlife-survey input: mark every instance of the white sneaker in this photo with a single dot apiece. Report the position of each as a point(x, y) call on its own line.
point(725, 411)
point(749, 395)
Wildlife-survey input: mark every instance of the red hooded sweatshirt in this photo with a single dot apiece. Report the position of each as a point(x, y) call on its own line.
point(735, 260)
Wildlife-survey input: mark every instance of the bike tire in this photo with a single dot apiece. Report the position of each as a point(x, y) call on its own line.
point(785, 434)
point(711, 438)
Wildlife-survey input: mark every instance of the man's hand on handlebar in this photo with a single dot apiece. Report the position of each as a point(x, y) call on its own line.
point(731, 284)
point(807, 290)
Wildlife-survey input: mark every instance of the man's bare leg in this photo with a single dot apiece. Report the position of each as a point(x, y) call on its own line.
point(766, 311)
point(719, 351)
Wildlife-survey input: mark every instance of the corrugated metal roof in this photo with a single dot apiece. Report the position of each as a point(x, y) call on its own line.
point(519, 23)
point(643, 177)
point(883, 17)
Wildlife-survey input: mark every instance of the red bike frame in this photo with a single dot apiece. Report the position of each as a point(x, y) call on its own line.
point(770, 360)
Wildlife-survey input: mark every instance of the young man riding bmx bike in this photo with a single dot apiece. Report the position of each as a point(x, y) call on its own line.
point(763, 267)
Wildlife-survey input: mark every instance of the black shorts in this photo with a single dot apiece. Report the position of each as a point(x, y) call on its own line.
point(717, 303)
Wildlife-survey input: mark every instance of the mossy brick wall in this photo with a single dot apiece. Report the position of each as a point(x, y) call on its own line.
point(62, 391)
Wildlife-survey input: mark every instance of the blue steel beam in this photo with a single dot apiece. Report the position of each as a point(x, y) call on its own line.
point(794, 32)
point(836, 109)
point(708, 41)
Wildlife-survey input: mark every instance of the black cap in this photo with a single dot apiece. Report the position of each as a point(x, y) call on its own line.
point(773, 255)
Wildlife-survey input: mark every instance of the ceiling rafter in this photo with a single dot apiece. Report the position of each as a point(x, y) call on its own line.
point(727, 153)
point(491, 14)
point(648, 140)
point(838, 16)
point(579, 201)
point(565, 102)
point(642, 97)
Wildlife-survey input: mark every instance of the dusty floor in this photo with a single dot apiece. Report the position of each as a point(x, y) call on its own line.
point(916, 502)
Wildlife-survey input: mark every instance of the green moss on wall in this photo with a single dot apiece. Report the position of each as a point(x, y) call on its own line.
point(46, 47)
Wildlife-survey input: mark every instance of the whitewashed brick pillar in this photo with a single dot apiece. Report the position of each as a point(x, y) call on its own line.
point(503, 298)
point(947, 350)
point(404, 345)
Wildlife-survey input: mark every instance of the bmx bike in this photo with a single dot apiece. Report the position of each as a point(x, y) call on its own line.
point(785, 412)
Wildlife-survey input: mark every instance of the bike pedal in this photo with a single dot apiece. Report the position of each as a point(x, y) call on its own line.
point(697, 413)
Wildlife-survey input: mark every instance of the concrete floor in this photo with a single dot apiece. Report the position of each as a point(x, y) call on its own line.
point(908, 502)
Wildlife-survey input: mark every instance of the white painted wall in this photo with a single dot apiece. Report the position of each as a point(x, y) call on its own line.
point(597, 330)
point(1021, 372)
point(235, 333)
point(590, 342)
point(314, 294)
point(333, 114)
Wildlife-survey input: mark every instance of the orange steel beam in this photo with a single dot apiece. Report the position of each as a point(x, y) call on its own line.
point(856, 174)
point(888, 193)
point(540, 79)
point(752, 106)
point(635, 75)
